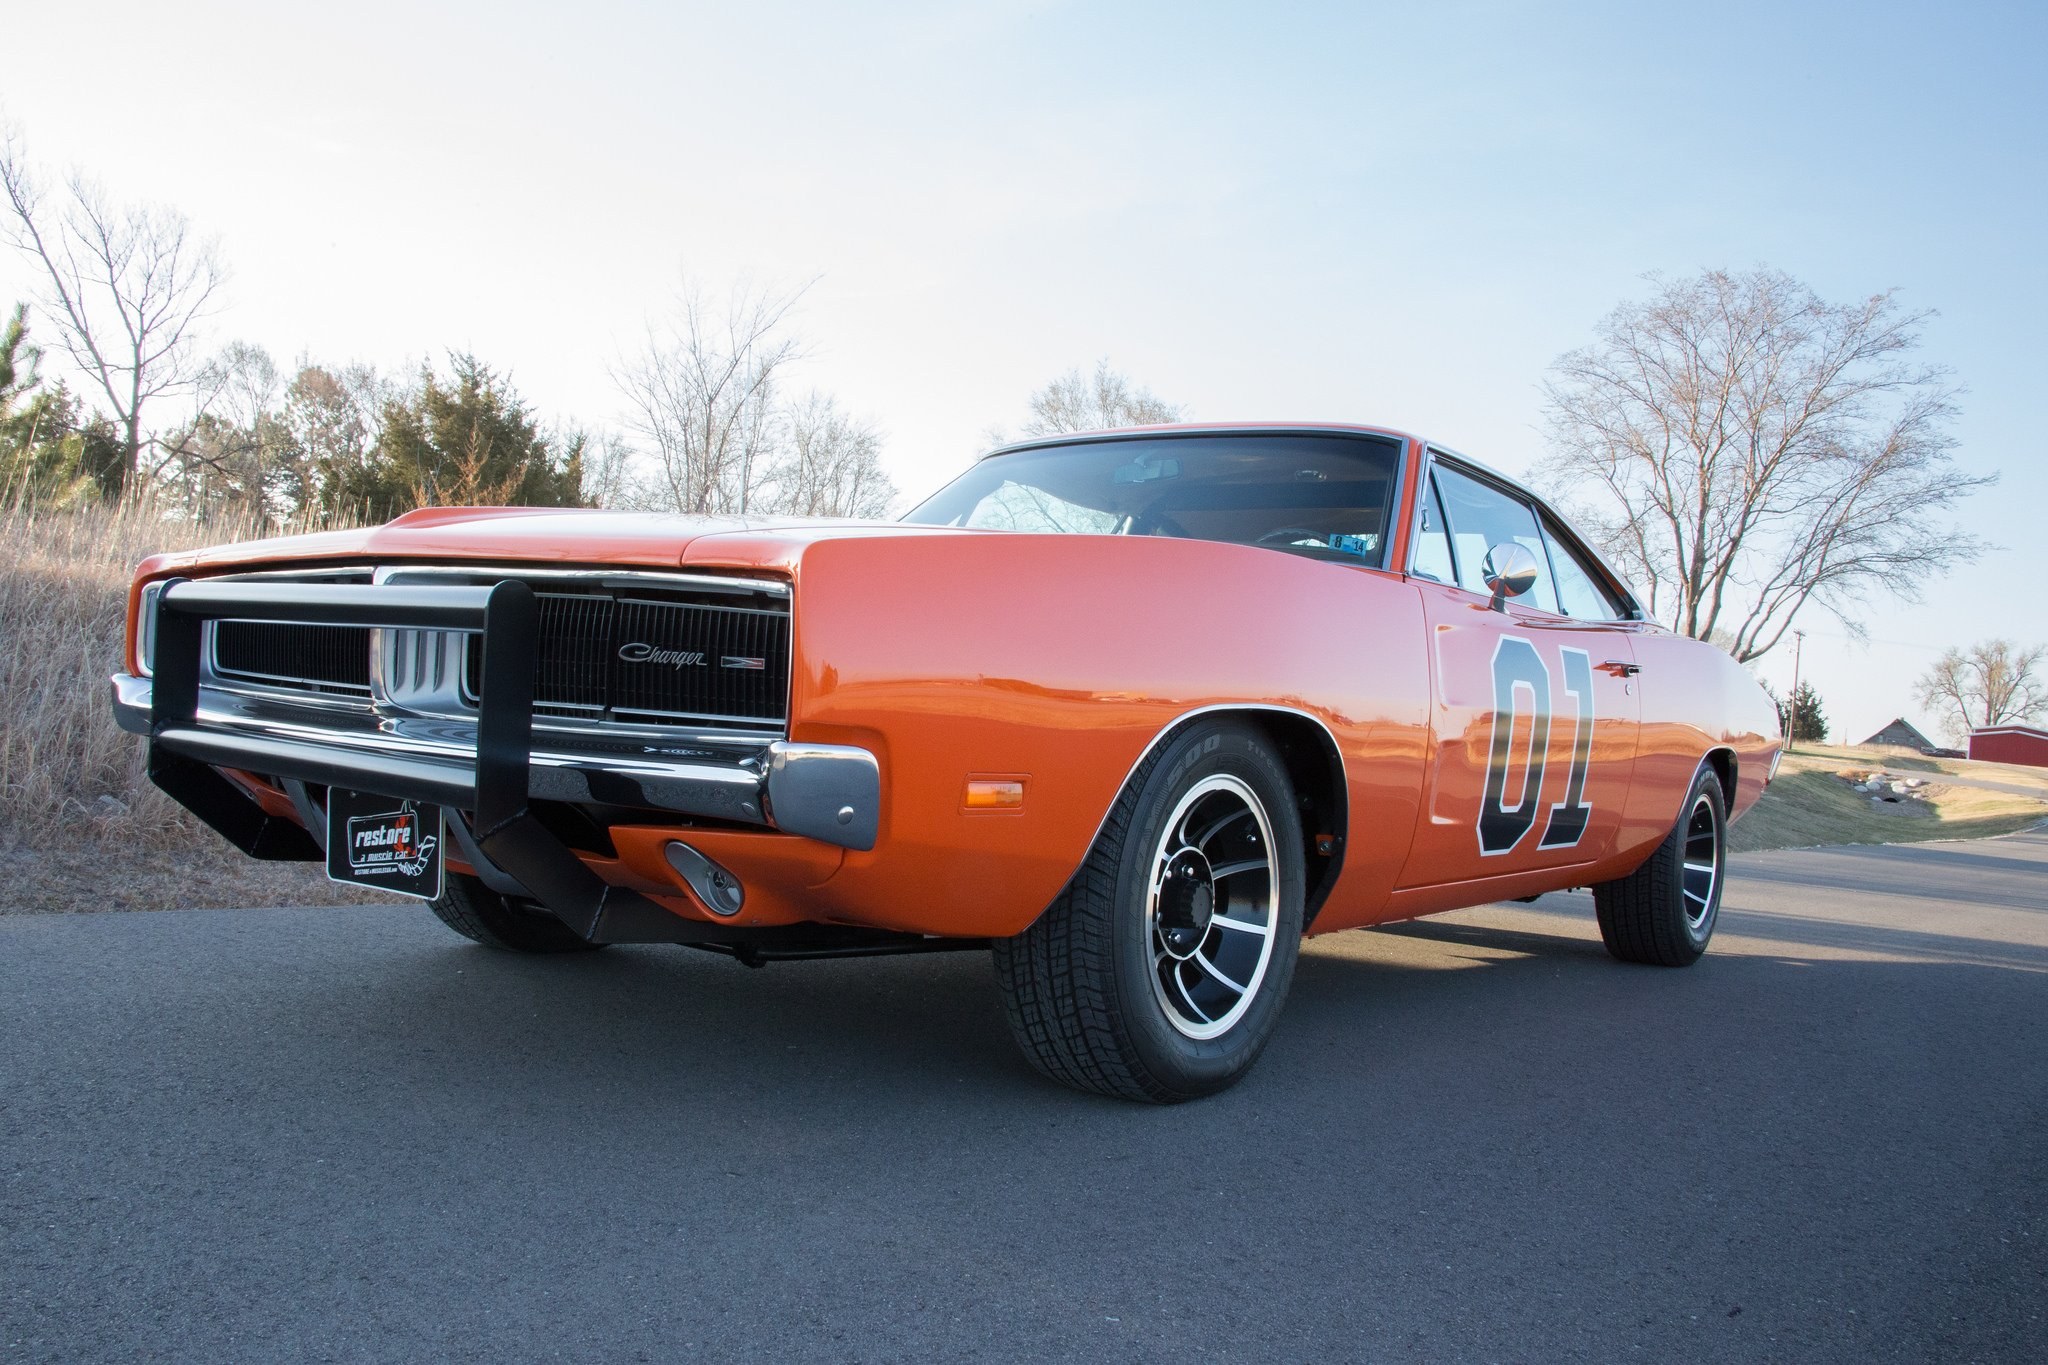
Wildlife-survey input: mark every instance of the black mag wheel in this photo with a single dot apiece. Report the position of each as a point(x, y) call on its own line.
point(1664, 912)
point(1699, 871)
point(476, 912)
point(1211, 905)
point(1159, 972)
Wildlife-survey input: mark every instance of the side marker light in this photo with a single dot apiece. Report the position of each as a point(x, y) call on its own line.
point(994, 795)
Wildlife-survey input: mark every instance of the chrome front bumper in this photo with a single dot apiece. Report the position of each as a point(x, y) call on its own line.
point(828, 792)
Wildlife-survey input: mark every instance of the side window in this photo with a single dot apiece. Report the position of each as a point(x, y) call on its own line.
point(1432, 557)
point(1579, 591)
point(1483, 516)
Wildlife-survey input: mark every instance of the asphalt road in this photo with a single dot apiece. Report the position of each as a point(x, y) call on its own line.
point(345, 1134)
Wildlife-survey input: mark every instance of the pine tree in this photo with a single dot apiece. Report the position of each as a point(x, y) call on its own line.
point(1809, 722)
point(465, 440)
point(48, 449)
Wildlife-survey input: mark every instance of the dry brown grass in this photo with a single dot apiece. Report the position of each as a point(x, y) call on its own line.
point(81, 827)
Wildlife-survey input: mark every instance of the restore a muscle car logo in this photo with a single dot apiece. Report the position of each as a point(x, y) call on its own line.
point(389, 843)
point(639, 652)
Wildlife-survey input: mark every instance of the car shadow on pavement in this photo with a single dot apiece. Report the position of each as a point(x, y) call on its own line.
point(702, 1032)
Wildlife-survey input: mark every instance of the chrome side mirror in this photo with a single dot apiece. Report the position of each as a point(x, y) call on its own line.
point(1509, 571)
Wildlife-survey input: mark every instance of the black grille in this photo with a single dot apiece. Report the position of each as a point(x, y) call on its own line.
point(304, 658)
point(639, 658)
point(688, 659)
point(575, 639)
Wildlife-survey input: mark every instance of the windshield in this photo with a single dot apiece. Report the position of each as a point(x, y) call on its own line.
point(1323, 496)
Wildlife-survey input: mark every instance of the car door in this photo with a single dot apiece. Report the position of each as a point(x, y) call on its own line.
point(1535, 714)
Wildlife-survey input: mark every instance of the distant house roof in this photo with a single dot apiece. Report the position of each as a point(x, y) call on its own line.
point(1900, 735)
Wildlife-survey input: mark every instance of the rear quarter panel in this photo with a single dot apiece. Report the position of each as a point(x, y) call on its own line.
point(1695, 699)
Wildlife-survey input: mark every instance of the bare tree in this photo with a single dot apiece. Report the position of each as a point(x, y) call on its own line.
point(1753, 448)
point(702, 392)
point(334, 421)
point(124, 289)
point(610, 478)
point(236, 449)
point(831, 464)
point(1092, 402)
point(1994, 682)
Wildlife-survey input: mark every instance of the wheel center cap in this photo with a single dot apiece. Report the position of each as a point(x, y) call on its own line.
point(1187, 903)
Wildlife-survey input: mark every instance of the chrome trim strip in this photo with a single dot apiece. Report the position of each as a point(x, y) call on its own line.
point(294, 575)
point(773, 587)
point(260, 679)
point(346, 702)
point(768, 729)
point(658, 602)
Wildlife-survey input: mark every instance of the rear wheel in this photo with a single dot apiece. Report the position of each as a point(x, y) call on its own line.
point(1159, 972)
point(1664, 912)
point(476, 912)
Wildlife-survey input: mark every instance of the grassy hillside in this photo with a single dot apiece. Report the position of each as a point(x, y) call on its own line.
point(1814, 802)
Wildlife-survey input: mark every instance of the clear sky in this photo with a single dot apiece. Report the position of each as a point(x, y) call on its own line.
point(1395, 214)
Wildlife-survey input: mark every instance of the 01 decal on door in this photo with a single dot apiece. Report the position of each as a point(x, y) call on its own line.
point(1518, 672)
point(1534, 726)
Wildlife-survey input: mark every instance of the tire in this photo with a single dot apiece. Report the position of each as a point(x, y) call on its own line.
point(1663, 913)
point(1135, 983)
point(476, 912)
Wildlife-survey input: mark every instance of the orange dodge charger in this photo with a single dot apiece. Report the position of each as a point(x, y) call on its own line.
point(1135, 709)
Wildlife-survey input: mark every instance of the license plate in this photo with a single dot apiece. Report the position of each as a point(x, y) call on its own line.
point(381, 842)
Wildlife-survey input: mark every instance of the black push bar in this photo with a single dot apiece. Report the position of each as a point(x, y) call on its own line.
point(494, 790)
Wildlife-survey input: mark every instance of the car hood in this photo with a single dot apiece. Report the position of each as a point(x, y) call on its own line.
point(536, 535)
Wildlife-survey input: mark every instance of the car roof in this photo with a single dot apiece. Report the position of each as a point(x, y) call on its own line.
point(1257, 428)
point(1204, 429)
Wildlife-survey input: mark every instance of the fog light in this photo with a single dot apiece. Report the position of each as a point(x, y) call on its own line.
point(717, 888)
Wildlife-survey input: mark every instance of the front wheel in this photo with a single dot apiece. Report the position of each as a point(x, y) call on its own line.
point(1664, 912)
point(1159, 972)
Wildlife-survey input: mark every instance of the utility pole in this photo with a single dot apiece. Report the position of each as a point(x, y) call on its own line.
point(1798, 639)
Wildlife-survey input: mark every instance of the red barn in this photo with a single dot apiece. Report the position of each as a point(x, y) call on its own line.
point(2010, 744)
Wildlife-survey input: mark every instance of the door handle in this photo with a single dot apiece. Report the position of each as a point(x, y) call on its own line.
point(1620, 668)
